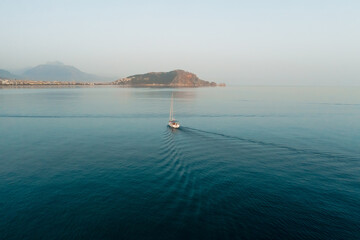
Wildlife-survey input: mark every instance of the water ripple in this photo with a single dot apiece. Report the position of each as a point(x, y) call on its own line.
point(262, 143)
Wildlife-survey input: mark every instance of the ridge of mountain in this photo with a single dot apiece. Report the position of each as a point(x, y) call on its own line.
point(58, 72)
point(7, 75)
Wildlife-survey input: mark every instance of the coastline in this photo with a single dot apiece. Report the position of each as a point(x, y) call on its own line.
point(7, 83)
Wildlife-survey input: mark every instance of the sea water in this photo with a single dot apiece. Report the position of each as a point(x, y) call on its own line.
point(246, 163)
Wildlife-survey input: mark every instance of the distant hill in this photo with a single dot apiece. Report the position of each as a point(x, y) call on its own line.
point(176, 78)
point(7, 75)
point(57, 71)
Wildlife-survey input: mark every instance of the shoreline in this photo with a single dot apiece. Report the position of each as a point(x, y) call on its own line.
point(11, 86)
point(6, 83)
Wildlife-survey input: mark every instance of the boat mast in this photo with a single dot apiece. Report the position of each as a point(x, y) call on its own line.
point(172, 108)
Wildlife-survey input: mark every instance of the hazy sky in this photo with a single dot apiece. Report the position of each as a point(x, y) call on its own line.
point(238, 42)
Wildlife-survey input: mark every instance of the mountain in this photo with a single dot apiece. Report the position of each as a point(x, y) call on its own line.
point(57, 71)
point(7, 75)
point(176, 78)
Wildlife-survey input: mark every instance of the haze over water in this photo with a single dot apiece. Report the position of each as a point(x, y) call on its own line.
point(247, 163)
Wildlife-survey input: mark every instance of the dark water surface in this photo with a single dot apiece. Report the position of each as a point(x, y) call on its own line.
point(247, 163)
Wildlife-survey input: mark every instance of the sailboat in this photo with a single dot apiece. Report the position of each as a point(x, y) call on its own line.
point(172, 122)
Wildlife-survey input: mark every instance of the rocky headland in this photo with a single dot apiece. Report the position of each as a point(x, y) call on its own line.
point(176, 78)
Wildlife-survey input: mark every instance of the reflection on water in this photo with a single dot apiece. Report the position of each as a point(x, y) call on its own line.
point(165, 93)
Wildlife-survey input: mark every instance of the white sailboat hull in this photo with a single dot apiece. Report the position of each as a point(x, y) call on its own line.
point(174, 124)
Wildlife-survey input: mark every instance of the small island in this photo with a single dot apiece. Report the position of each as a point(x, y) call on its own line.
point(176, 78)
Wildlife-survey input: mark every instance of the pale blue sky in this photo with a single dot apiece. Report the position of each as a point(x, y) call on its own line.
point(237, 42)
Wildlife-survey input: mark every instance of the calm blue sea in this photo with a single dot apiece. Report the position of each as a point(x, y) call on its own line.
point(247, 163)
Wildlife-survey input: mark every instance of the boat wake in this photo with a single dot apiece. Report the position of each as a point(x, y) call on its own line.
point(202, 173)
point(204, 133)
point(176, 178)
